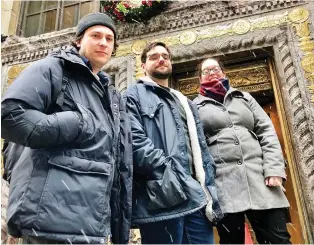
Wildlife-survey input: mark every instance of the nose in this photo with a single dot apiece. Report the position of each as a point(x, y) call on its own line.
point(103, 42)
point(161, 60)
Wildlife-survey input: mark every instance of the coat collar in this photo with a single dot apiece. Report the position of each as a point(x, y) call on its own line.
point(148, 81)
point(72, 55)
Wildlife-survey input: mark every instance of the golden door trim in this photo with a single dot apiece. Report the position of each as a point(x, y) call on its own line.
point(295, 179)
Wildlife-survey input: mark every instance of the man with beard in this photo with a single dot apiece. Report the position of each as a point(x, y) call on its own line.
point(174, 196)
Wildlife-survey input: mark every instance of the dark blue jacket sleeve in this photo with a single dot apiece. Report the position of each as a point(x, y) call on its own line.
point(24, 120)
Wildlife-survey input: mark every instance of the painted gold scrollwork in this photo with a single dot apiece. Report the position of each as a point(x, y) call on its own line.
point(138, 69)
point(298, 15)
point(299, 18)
point(307, 45)
point(124, 50)
point(189, 86)
point(245, 77)
point(14, 71)
point(307, 63)
point(138, 46)
point(170, 40)
point(187, 37)
point(302, 29)
point(241, 26)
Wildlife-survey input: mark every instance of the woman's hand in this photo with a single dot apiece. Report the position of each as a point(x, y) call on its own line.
point(273, 181)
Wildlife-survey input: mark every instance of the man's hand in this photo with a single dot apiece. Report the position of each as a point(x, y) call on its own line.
point(273, 181)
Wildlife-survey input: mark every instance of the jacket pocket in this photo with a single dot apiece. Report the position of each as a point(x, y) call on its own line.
point(75, 196)
point(165, 193)
point(212, 143)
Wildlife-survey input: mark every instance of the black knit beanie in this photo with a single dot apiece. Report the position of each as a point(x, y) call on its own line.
point(94, 19)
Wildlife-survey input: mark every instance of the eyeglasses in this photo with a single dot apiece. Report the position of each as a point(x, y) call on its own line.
point(154, 57)
point(207, 71)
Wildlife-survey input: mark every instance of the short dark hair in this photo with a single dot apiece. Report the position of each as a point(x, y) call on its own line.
point(150, 46)
point(76, 39)
point(199, 67)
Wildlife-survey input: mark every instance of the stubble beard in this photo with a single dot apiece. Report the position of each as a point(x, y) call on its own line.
point(162, 75)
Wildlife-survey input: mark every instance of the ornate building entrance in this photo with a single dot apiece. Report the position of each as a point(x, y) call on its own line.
point(254, 72)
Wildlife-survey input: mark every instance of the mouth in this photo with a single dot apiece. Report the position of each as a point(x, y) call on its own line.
point(101, 53)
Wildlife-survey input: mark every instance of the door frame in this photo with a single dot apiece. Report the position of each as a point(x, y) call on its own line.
point(290, 152)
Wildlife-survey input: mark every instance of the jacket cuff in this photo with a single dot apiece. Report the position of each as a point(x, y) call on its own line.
point(275, 172)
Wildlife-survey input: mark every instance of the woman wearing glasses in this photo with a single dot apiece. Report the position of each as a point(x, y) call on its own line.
point(249, 163)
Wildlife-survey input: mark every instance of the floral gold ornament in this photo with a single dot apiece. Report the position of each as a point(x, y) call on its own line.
point(241, 26)
point(138, 46)
point(307, 63)
point(298, 15)
point(307, 45)
point(302, 29)
point(189, 86)
point(187, 37)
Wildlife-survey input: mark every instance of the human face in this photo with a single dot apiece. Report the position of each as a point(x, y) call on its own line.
point(97, 45)
point(211, 70)
point(157, 65)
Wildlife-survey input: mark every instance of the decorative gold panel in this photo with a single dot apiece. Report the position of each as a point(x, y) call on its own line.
point(241, 77)
point(189, 85)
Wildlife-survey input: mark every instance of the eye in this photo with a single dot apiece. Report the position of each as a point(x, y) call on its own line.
point(95, 35)
point(166, 56)
point(154, 57)
point(216, 69)
point(109, 39)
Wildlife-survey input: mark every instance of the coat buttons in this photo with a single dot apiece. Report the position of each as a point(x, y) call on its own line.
point(230, 125)
point(236, 142)
point(224, 109)
point(239, 162)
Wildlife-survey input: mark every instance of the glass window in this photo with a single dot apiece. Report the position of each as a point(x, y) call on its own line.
point(86, 8)
point(50, 4)
point(31, 27)
point(70, 16)
point(48, 16)
point(34, 7)
point(49, 21)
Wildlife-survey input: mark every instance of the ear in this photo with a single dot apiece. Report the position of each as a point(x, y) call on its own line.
point(143, 67)
point(78, 43)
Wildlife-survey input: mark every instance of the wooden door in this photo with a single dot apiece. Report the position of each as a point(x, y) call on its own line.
point(294, 225)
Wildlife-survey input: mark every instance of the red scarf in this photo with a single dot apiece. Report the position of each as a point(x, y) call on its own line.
point(214, 88)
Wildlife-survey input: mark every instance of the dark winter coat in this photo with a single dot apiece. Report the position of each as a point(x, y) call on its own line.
point(72, 182)
point(163, 185)
point(246, 150)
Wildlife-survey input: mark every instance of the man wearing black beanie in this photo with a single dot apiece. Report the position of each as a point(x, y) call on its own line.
point(72, 181)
